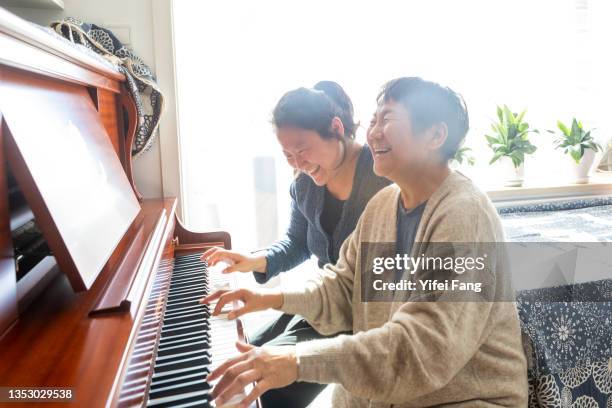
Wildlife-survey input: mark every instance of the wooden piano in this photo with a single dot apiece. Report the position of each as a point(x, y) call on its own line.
point(98, 287)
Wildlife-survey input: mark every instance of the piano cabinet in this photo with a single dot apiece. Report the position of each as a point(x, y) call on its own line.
point(72, 316)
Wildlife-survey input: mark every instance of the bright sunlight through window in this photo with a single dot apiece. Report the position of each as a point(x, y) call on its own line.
point(236, 58)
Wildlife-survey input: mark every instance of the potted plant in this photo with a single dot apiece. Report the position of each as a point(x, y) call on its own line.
point(510, 143)
point(463, 155)
point(580, 146)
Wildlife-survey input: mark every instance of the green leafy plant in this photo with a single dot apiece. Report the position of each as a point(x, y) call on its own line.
point(464, 155)
point(511, 137)
point(575, 140)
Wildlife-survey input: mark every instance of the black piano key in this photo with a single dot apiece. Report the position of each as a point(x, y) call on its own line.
point(196, 293)
point(182, 399)
point(204, 325)
point(188, 315)
point(203, 339)
point(189, 374)
point(193, 259)
point(193, 306)
point(201, 292)
point(169, 374)
point(173, 336)
point(201, 271)
point(197, 286)
point(179, 388)
point(185, 340)
point(182, 305)
point(204, 310)
point(198, 283)
point(185, 321)
point(178, 305)
point(195, 300)
point(195, 403)
point(175, 293)
point(179, 379)
point(186, 261)
point(184, 258)
point(196, 264)
point(185, 270)
point(185, 283)
point(195, 273)
point(185, 331)
point(186, 362)
point(179, 355)
point(182, 276)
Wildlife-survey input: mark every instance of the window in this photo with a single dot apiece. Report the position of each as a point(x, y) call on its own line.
point(236, 58)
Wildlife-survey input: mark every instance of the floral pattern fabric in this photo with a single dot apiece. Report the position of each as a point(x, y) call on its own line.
point(567, 330)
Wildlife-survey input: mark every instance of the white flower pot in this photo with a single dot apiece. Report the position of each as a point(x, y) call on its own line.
point(513, 176)
point(581, 171)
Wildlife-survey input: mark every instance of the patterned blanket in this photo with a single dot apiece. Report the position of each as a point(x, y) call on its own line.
point(141, 82)
point(567, 339)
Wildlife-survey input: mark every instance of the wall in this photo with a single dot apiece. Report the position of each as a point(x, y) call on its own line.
point(137, 14)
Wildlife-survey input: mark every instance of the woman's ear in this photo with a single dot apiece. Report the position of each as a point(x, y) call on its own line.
point(438, 134)
point(337, 128)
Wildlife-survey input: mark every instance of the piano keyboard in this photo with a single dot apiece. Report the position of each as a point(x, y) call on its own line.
point(179, 343)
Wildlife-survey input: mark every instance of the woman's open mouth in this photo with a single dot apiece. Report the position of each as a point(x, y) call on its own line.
point(314, 172)
point(381, 150)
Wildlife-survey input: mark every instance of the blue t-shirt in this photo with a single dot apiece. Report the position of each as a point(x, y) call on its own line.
point(407, 224)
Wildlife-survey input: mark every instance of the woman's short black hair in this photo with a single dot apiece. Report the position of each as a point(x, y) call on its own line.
point(430, 103)
point(314, 109)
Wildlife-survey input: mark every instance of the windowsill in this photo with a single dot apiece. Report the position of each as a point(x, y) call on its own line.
point(600, 184)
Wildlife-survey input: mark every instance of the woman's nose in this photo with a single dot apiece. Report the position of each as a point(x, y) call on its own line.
point(373, 133)
point(299, 162)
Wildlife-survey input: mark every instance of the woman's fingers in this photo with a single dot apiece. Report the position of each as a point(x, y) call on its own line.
point(227, 297)
point(208, 253)
point(230, 375)
point(217, 372)
point(259, 388)
point(236, 313)
point(213, 296)
point(272, 367)
point(237, 386)
point(237, 267)
point(218, 256)
point(244, 347)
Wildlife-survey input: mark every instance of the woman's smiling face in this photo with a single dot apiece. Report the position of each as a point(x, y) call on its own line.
point(309, 153)
point(395, 146)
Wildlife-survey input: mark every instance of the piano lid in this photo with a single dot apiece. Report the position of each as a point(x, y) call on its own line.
point(68, 170)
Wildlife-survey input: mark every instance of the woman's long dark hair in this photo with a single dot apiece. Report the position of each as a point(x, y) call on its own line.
point(314, 109)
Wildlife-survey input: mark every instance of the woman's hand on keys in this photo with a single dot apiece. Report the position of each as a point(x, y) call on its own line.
point(269, 367)
point(253, 301)
point(236, 261)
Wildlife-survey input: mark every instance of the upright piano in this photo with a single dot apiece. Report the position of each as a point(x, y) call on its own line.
point(99, 288)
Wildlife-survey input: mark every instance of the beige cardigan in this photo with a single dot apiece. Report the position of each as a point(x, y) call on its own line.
point(413, 354)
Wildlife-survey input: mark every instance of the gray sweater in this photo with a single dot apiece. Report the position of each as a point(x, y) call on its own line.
point(412, 354)
point(305, 236)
